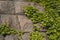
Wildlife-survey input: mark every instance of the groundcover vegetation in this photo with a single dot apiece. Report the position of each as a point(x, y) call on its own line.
point(49, 19)
point(7, 30)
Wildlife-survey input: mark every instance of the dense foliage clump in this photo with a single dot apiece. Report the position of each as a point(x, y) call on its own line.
point(49, 19)
point(6, 30)
point(35, 36)
point(33, 14)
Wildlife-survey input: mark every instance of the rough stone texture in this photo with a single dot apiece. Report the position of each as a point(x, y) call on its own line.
point(15, 22)
point(20, 0)
point(4, 19)
point(13, 0)
point(11, 37)
point(11, 20)
point(25, 36)
point(37, 6)
point(19, 6)
point(7, 7)
point(1, 37)
point(6, 0)
point(26, 24)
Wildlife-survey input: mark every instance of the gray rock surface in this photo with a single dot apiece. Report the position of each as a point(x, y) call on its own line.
point(11, 37)
point(19, 6)
point(15, 22)
point(26, 24)
point(1, 37)
point(25, 36)
point(6, 0)
point(5, 19)
point(7, 7)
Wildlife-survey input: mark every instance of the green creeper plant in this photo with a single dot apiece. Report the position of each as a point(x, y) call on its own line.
point(50, 19)
point(6, 30)
point(37, 17)
point(35, 28)
point(19, 34)
point(35, 36)
point(33, 14)
point(53, 33)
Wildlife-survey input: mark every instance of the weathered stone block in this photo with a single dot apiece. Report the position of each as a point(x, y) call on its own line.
point(26, 24)
point(11, 20)
point(25, 36)
point(1, 37)
point(6, 0)
point(11, 37)
point(37, 6)
point(15, 22)
point(19, 6)
point(5, 19)
point(7, 7)
point(20, 0)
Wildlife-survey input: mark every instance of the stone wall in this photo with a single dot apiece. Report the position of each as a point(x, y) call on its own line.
point(11, 12)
